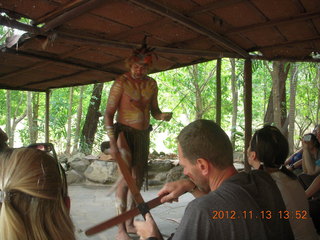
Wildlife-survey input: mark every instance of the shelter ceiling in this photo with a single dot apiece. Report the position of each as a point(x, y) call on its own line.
point(75, 42)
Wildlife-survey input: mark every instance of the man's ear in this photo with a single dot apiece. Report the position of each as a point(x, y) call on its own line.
point(203, 166)
point(252, 155)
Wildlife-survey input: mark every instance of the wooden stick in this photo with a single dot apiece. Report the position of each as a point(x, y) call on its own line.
point(132, 186)
point(121, 218)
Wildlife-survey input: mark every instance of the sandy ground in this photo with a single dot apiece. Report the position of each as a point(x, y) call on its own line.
point(90, 206)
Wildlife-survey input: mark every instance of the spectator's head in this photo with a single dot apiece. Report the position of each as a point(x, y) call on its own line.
point(312, 139)
point(31, 197)
point(206, 139)
point(268, 147)
point(316, 132)
point(203, 141)
point(105, 146)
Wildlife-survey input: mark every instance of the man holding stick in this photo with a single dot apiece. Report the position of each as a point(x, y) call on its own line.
point(134, 97)
point(228, 205)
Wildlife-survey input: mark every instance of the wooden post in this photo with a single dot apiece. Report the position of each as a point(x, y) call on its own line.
point(218, 92)
point(247, 109)
point(47, 116)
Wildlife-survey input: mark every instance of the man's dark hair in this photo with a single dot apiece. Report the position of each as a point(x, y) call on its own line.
point(206, 139)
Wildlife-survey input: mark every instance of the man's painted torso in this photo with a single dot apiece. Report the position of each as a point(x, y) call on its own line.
point(135, 101)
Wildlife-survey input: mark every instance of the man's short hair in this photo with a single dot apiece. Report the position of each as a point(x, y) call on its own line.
point(206, 139)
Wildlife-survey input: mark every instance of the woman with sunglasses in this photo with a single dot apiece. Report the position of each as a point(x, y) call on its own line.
point(32, 201)
point(267, 151)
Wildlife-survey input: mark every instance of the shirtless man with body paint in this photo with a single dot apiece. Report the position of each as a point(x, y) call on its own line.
point(134, 97)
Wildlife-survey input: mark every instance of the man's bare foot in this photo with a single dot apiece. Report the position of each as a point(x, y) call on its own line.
point(131, 229)
point(122, 236)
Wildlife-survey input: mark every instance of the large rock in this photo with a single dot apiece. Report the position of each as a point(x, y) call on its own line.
point(175, 174)
point(74, 177)
point(76, 157)
point(160, 165)
point(63, 158)
point(80, 165)
point(157, 178)
point(102, 172)
point(161, 177)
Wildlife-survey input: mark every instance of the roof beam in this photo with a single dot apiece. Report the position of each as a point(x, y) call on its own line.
point(117, 44)
point(4, 86)
point(288, 59)
point(287, 43)
point(74, 62)
point(189, 23)
point(213, 5)
point(57, 78)
point(42, 64)
point(126, 45)
point(59, 11)
point(298, 18)
point(11, 23)
point(71, 14)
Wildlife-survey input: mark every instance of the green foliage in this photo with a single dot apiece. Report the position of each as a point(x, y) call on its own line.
point(177, 93)
point(307, 99)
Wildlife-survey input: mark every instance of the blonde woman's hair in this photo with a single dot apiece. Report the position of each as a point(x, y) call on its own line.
point(31, 200)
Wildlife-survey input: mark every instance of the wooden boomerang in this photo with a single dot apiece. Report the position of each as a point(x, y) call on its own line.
point(121, 218)
point(131, 183)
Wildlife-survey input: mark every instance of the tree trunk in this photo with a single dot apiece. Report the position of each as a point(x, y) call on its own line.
point(279, 75)
point(276, 95)
point(92, 118)
point(199, 83)
point(234, 91)
point(293, 85)
point(78, 121)
point(35, 108)
point(32, 114)
point(8, 122)
point(199, 105)
point(29, 115)
point(68, 146)
point(15, 119)
point(15, 122)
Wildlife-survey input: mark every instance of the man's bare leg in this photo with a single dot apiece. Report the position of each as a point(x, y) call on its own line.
point(122, 189)
point(121, 207)
point(130, 205)
point(137, 174)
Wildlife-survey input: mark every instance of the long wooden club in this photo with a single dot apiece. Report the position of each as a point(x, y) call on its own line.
point(142, 206)
point(121, 218)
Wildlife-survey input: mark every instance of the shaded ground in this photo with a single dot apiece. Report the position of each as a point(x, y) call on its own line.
point(90, 206)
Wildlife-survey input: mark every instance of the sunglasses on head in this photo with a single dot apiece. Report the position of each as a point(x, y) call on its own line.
point(49, 148)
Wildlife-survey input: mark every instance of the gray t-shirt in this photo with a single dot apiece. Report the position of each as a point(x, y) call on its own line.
point(244, 207)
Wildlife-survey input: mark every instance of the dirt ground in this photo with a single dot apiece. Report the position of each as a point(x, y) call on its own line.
point(90, 206)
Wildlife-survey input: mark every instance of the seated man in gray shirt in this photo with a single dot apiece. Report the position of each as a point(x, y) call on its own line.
point(228, 205)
